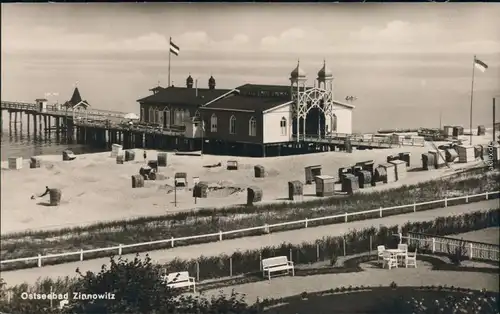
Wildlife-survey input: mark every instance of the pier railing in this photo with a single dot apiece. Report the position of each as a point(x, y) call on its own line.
point(61, 111)
point(358, 139)
point(266, 228)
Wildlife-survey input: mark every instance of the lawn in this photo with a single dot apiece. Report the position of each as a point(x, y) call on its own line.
point(380, 300)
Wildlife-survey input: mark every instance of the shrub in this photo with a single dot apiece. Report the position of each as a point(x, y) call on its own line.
point(333, 260)
point(457, 254)
point(393, 285)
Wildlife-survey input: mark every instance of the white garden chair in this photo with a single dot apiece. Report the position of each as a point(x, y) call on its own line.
point(380, 252)
point(411, 259)
point(403, 247)
point(390, 260)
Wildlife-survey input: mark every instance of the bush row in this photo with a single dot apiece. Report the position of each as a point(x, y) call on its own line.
point(245, 263)
point(354, 242)
point(27, 248)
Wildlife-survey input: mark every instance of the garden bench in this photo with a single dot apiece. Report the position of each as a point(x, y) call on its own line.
point(276, 264)
point(180, 280)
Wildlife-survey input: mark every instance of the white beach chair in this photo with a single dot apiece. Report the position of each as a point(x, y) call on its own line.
point(411, 259)
point(380, 252)
point(390, 260)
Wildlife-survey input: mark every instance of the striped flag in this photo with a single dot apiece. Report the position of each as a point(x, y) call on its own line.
point(174, 48)
point(480, 65)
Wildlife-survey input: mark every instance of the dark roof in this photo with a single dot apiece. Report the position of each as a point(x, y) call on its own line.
point(258, 87)
point(156, 88)
point(76, 98)
point(240, 102)
point(184, 96)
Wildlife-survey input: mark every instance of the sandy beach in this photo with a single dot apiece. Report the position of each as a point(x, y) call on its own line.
point(95, 188)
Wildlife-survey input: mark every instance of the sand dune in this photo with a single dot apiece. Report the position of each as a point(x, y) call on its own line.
point(95, 188)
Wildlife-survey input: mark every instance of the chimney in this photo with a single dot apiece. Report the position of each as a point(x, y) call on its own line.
point(196, 86)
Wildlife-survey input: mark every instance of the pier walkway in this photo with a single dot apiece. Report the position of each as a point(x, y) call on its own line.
point(101, 128)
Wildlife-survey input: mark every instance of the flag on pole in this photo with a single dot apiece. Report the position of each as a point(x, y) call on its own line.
point(480, 65)
point(174, 48)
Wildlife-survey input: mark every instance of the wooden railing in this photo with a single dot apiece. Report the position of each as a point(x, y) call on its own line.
point(265, 228)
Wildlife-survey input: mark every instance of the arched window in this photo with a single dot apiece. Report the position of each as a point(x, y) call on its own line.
point(143, 115)
point(283, 127)
point(213, 123)
point(232, 125)
point(151, 115)
point(177, 117)
point(252, 127)
point(334, 123)
point(167, 118)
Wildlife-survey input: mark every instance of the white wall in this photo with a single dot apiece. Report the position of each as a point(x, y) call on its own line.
point(271, 125)
point(344, 120)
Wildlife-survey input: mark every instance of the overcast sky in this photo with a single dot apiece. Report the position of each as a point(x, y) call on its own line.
point(416, 27)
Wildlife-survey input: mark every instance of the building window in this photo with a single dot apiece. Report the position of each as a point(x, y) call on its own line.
point(177, 117)
point(143, 115)
point(159, 117)
point(213, 123)
point(283, 126)
point(167, 118)
point(151, 115)
point(232, 125)
point(252, 127)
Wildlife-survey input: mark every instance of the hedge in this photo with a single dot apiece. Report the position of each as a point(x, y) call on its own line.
point(354, 242)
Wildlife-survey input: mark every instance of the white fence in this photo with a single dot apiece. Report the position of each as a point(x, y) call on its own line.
point(440, 244)
point(265, 228)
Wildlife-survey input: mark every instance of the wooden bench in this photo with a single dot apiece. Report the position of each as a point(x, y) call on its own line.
point(276, 264)
point(180, 280)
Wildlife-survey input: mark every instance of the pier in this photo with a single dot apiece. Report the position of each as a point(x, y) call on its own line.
point(96, 128)
point(102, 128)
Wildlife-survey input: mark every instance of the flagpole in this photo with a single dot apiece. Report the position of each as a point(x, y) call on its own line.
point(169, 54)
point(472, 97)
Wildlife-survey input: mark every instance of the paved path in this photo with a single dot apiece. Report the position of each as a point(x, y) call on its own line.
point(421, 276)
point(247, 243)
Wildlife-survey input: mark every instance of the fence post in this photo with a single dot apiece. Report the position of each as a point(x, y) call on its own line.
point(380, 212)
point(433, 245)
point(260, 261)
point(220, 235)
point(39, 260)
point(306, 222)
point(266, 228)
point(400, 238)
point(317, 252)
point(371, 245)
point(343, 244)
point(119, 249)
point(172, 241)
point(291, 255)
point(470, 251)
point(414, 207)
point(446, 202)
point(230, 267)
point(467, 198)
point(487, 195)
point(197, 271)
point(345, 217)
point(81, 255)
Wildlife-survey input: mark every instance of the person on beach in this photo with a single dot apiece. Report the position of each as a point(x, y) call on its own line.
point(145, 155)
point(47, 191)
